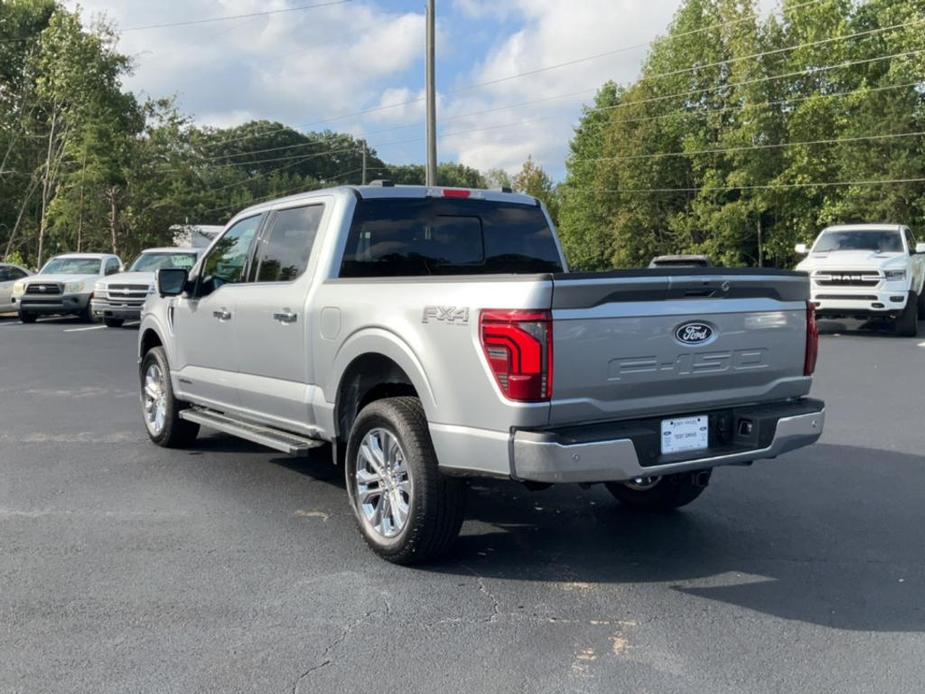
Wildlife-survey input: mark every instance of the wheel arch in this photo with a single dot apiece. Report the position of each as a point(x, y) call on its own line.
point(375, 365)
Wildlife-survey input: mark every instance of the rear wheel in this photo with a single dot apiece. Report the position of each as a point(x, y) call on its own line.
point(159, 407)
point(907, 324)
point(407, 511)
point(113, 322)
point(664, 493)
point(25, 317)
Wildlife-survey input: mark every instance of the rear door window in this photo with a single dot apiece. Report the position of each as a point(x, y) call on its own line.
point(286, 245)
point(399, 237)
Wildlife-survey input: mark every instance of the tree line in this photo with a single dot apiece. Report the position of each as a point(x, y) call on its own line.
point(743, 135)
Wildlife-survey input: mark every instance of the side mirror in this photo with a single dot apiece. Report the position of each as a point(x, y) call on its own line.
point(171, 281)
point(801, 248)
point(920, 248)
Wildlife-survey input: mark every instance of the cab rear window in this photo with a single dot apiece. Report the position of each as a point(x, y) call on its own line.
point(400, 237)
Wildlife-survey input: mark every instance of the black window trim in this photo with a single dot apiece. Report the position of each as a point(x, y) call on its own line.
point(204, 257)
point(265, 228)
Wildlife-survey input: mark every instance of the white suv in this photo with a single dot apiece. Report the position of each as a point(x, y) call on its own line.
point(868, 271)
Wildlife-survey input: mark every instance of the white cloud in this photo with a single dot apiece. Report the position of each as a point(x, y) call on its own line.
point(552, 32)
point(295, 67)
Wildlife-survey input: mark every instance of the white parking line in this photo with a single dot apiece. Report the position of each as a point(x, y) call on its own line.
point(80, 330)
point(922, 344)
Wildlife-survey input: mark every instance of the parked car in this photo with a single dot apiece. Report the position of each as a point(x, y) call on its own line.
point(681, 261)
point(868, 271)
point(63, 286)
point(433, 334)
point(8, 276)
point(118, 298)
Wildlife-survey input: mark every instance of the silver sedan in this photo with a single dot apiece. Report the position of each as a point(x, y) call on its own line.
point(8, 276)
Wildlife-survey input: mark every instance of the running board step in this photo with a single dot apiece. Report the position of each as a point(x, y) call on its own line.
point(291, 444)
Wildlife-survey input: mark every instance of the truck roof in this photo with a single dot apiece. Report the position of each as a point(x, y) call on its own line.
point(95, 256)
point(387, 190)
point(173, 249)
point(865, 227)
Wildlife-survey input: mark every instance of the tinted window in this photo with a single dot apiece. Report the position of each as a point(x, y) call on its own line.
point(287, 244)
point(16, 273)
point(149, 262)
point(228, 257)
point(876, 241)
point(412, 237)
point(72, 266)
point(112, 266)
point(910, 241)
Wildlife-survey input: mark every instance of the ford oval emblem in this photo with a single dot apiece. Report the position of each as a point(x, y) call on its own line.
point(693, 333)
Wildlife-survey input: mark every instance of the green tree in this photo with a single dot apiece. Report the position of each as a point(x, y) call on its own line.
point(533, 180)
point(585, 213)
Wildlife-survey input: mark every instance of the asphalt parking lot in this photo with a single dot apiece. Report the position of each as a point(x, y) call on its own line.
point(227, 568)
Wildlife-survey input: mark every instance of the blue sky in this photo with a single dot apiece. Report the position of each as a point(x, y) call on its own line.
point(311, 68)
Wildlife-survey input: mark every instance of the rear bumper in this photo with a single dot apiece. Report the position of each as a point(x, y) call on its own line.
point(616, 452)
point(61, 304)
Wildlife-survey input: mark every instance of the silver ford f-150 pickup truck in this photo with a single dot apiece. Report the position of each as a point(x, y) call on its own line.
point(433, 334)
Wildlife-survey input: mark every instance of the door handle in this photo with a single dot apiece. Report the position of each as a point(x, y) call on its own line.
point(222, 315)
point(285, 317)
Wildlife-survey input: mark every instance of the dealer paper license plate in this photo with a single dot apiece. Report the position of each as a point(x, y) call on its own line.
point(685, 434)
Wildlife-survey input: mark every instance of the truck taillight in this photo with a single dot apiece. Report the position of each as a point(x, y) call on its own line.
point(518, 346)
point(812, 340)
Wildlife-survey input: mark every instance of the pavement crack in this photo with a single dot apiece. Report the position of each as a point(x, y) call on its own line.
point(325, 659)
point(484, 590)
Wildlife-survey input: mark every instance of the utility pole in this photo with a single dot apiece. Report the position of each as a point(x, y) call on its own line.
point(363, 176)
point(430, 77)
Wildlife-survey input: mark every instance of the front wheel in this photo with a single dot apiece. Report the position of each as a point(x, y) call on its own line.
point(25, 317)
point(159, 407)
point(113, 322)
point(407, 511)
point(922, 304)
point(654, 494)
point(907, 324)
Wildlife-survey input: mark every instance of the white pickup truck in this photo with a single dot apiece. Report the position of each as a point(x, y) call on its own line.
point(868, 271)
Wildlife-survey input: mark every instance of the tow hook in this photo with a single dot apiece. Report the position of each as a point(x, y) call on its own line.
point(701, 479)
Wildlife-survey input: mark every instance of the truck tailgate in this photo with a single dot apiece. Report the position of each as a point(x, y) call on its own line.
point(634, 344)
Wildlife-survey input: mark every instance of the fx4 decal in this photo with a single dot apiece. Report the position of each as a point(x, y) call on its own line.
point(446, 314)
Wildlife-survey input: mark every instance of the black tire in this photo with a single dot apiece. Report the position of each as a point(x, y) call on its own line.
point(113, 322)
point(922, 304)
point(86, 315)
point(668, 493)
point(907, 324)
point(436, 503)
point(27, 317)
point(175, 432)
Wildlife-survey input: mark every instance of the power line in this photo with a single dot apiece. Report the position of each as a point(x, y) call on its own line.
point(688, 112)
point(231, 17)
point(204, 20)
point(477, 85)
point(745, 148)
point(322, 184)
point(628, 104)
point(711, 189)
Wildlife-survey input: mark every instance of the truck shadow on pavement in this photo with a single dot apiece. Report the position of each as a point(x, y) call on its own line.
point(839, 540)
point(831, 536)
point(861, 328)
